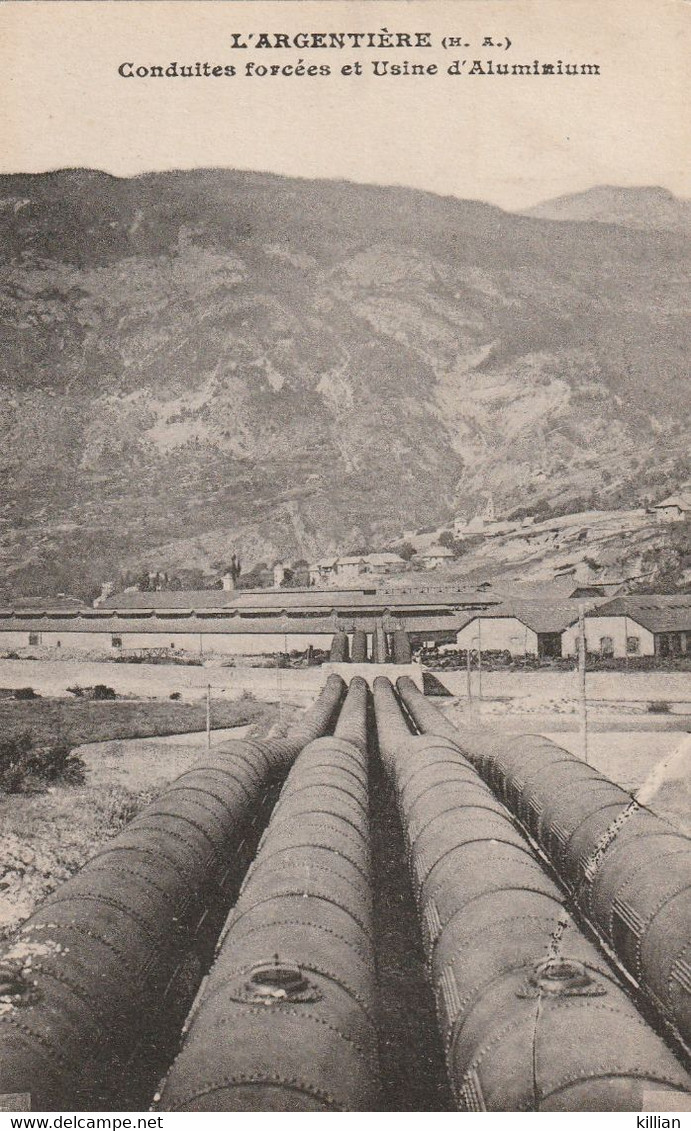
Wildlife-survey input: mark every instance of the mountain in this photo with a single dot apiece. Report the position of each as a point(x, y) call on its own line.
point(651, 208)
point(202, 362)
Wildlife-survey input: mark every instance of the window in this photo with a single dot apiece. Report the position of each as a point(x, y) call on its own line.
point(633, 645)
point(116, 641)
point(606, 646)
point(34, 639)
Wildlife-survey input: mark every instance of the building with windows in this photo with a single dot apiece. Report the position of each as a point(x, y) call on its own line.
point(349, 570)
point(523, 628)
point(636, 625)
point(239, 622)
point(436, 556)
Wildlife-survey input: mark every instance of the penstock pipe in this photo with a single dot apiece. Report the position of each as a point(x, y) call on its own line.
point(103, 951)
point(285, 1020)
point(531, 1015)
point(628, 870)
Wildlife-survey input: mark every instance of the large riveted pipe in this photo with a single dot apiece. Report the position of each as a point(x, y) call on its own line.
point(531, 1015)
point(358, 648)
point(285, 1019)
point(339, 648)
point(97, 957)
point(628, 870)
point(402, 653)
point(379, 650)
point(351, 724)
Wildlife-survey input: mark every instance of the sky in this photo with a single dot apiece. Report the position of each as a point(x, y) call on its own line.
point(510, 140)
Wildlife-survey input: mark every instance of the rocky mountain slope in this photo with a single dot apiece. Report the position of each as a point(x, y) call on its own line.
point(202, 362)
point(648, 208)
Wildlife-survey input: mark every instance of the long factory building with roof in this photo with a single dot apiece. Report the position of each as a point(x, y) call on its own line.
point(270, 621)
point(240, 622)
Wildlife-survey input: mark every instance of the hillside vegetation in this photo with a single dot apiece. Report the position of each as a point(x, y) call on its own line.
point(212, 360)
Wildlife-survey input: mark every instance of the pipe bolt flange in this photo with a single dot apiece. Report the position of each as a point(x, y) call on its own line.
point(561, 977)
point(276, 983)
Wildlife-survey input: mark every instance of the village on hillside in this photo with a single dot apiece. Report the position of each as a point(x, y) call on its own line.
point(501, 588)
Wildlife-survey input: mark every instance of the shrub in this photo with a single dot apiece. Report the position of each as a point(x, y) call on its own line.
point(13, 756)
point(25, 693)
point(101, 691)
point(77, 691)
point(119, 805)
point(659, 707)
point(175, 695)
point(57, 763)
point(25, 768)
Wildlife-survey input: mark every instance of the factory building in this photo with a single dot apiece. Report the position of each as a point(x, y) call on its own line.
point(637, 625)
point(522, 628)
point(225, 622)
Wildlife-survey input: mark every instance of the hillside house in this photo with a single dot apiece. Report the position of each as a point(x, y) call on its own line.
point(637, 625)
point(436, 556)
point(466, 528)
point(382, 564)
point(323, 572)
point(346, 570)
point(588, 582)
point(675, 508)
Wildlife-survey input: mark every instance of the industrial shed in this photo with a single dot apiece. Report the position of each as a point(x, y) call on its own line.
point(521, 628)
point(228, 623)
point(637, 625)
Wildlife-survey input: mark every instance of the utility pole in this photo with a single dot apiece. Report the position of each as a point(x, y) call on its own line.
point(479, 658)
point(208, 716)
point(582, 679)
point(279, 691)
point(468, 664)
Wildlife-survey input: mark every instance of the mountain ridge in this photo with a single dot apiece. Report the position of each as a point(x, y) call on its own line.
point(280, 367)
point(648, 207)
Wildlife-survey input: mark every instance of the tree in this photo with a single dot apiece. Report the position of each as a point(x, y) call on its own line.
point(235, 568)
point(256, 577)
point(407, 551)
point(458, 546)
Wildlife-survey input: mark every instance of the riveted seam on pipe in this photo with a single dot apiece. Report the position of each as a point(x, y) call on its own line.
point(313, 785)
point(330, 813)
point(320, 927)
point(323, 868)
point(116, 905)
point(266, 856)
point(283, 1081)
point(298, 893)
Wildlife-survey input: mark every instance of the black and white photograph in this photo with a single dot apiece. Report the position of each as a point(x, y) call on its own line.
point(345, 559)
